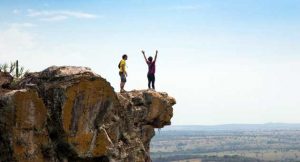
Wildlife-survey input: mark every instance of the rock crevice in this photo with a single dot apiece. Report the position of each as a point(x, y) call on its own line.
point(72, 114)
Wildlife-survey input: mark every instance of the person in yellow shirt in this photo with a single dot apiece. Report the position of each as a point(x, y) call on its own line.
point(123, 72)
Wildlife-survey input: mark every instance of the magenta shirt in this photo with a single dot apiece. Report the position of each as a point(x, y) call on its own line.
point(151, 67)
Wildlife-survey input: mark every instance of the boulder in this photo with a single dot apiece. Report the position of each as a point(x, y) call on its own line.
point(72, 114)
point(5, 79)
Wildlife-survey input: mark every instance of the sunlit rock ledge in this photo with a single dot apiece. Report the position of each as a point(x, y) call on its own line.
point(72, 114)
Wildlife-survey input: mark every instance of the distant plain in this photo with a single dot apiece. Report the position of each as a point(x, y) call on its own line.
point(239, 142)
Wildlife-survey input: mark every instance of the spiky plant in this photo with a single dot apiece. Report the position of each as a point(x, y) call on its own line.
point(13, 69)
point(4, 67)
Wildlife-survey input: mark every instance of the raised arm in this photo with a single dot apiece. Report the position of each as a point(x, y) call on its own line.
point(143, 52)
point(155, 56)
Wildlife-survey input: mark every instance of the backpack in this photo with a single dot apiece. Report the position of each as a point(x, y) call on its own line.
point(119, 66)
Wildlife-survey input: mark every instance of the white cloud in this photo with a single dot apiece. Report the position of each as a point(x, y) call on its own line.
point(78, 14)
point(16, 11)
point(58, 15)
point(55, 18)
point(13, 42)
point(35, 54)
point(22, 25)
point(185, 7)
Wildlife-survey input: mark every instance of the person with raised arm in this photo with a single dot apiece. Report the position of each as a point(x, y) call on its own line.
point(151, 69)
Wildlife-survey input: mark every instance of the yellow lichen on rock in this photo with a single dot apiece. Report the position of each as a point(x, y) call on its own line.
point(81, 142)
point(160, 111)
point(28, 125)
point(30, 110)
point(72, 114)
point(154, 109)
point(102, 143)
point(83, 103)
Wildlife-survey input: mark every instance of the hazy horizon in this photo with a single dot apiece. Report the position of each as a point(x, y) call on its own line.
point(234, 124)
point(224, 61)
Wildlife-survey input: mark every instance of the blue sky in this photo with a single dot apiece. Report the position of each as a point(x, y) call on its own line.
point(225, 61)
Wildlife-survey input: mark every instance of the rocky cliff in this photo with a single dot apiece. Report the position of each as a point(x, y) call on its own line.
point(72, 114)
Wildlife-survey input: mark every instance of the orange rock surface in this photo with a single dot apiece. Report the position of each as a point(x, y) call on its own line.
point(72, 114)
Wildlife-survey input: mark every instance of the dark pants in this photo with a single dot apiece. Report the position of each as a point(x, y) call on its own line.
point(123, 77)
point(151, 80)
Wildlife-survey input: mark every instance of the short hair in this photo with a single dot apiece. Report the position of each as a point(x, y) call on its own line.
point(150, 59)
point(124, 56)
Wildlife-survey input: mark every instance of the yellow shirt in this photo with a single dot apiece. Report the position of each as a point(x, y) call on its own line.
point(123, 63)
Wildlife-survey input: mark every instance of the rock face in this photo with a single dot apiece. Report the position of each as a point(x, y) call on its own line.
point(72, 114)
point(5, 79)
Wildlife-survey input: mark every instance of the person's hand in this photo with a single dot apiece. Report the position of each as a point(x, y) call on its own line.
point(156, 51)
point(126, 74)
point(143, 51)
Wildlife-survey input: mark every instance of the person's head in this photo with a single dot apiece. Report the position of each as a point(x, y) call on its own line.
point(150, 59)
point(124, 57)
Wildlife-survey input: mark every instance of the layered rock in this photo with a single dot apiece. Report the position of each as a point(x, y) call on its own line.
point(5, 79)
point(72, 114)
point(23, 117)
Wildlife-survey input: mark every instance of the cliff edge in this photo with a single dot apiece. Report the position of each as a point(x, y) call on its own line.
point(72, 114)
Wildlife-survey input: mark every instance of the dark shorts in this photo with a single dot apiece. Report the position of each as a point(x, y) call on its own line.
point(123, 77)
point(151, 77)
